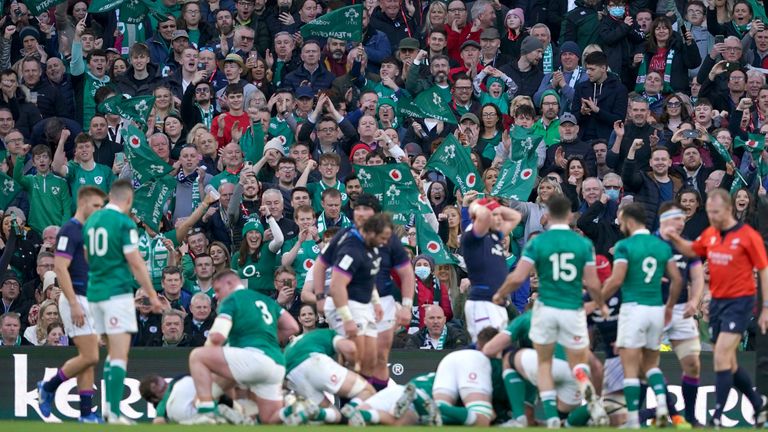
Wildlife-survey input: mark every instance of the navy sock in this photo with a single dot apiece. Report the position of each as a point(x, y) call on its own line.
point(643, 394)
point(86, 402)
point(55, 382)
point(723, 384)
point(378, 384)
point(646, 414)
point(690, 389)
point(671, 402)
point(743, 383)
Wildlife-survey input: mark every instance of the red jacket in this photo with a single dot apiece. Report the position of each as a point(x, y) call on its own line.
point(426, 296)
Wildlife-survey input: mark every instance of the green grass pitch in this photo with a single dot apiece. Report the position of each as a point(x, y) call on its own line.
point(30, 426)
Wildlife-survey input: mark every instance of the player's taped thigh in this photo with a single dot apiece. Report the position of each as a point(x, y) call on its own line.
point(357, 387)
point(482, 408)
point(614, 404)
point(687, 347)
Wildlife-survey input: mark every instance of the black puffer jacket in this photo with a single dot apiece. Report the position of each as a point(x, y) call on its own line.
point(646, 190)
point(611, 97)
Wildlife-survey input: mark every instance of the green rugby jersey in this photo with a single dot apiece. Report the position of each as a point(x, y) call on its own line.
point(646, 257)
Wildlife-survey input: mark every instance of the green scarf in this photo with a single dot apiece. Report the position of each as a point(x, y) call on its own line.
point(548, 59)
point(643, 71)
point(741, 29)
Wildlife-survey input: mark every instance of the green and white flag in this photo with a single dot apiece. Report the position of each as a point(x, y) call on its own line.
point(149, 200)
point(136, 108)
point(145, 163)
point(453, 160)
point(755, 143)
point(98, 6)
point(427, 104)
point(516, 179)
point(429, 242)
point(8, 191)
point(344, 23)
point(37, 7)
point(525, 141)
point(131, 11)
point(394, 186)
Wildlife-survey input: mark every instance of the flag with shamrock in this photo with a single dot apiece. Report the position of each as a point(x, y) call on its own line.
point(516, 179)
point(149, 200)
point(453, 160)
point(394, 186)
point(428, 242)
point(8, 191)
point(345, 23)
point(135, 108)
point(427, 104)
point(146, 164)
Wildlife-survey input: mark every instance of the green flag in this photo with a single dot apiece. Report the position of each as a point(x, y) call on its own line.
point(755, 143)
point(8, 191)
point(146, 164)
point(430, 243)
point(394, 186)
point(453, 160)
point(134, 11)
point(149, 200)
point(427, 104)
point(721, 150)
point(516, 179)
point(98, 6)
point(344, 23)
point(525, 141)
point(252, 143)
point(37, 7)
point(136, 108)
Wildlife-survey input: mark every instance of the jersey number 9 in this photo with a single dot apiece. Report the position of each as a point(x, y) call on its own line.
point(649, 266)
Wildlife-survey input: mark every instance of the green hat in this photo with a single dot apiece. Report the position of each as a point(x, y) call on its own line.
point(549, 92)
point(251, 225)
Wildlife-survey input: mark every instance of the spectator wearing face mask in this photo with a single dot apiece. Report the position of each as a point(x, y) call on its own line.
point(429, 291)
point(598, 213)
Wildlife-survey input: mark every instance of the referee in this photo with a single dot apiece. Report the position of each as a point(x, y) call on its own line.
point(732, 250)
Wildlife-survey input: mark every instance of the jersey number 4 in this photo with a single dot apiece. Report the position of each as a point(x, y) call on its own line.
point(97, 241)
point(562, 270)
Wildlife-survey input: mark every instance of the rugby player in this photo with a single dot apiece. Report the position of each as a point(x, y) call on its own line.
point(564, 261)
point(640, 261)
point(111, 246)
point(72, 273)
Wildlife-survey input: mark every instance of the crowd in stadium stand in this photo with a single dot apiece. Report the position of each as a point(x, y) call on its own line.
point(253, 120)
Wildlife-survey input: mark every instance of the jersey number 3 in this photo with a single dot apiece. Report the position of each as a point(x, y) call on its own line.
point(97, 241)
point(562, 270)
point(265, 315)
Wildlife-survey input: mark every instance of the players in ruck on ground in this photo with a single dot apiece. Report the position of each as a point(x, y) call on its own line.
point(733, 251)
point(640, 261)
point(111, 246)
point(72, 274)
point(312, 372)
point(252, 326)
point(466, 376)
point(564, 262)
point(683, 331)
point(175, 400)
point(483, 253)
point(393, 257)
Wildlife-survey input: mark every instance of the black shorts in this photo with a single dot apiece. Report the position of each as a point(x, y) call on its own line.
point(730, 315)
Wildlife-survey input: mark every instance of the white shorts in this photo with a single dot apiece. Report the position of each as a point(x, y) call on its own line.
point(680, 329)
point(482, 314)
point(613, 376)
point(66, 317)
point(565, 384)
point(386, 399)
point(251, 367)
point(640, 326)
point(315, 375)
point(389, 306)
point(114, 316)
point(362, 313)
point(180, 405)
point(461, 373)
point(566, 327)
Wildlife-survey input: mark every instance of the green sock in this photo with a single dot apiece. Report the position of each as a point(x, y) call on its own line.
point(206, 407)
point(320, 414)
point(632, 393)
point(105, 387)
point(115, 385)
point(418, 402)
point(656, 382)
point(515, 388)
point(370, 416)
point(579, 416)
point(287, 411)
point(452, 415)
point(549, 402)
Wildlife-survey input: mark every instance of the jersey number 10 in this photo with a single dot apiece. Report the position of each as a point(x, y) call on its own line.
point(97, 241)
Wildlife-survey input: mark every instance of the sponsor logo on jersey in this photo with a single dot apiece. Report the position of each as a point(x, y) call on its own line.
point(308, 264)
point(472, 376)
